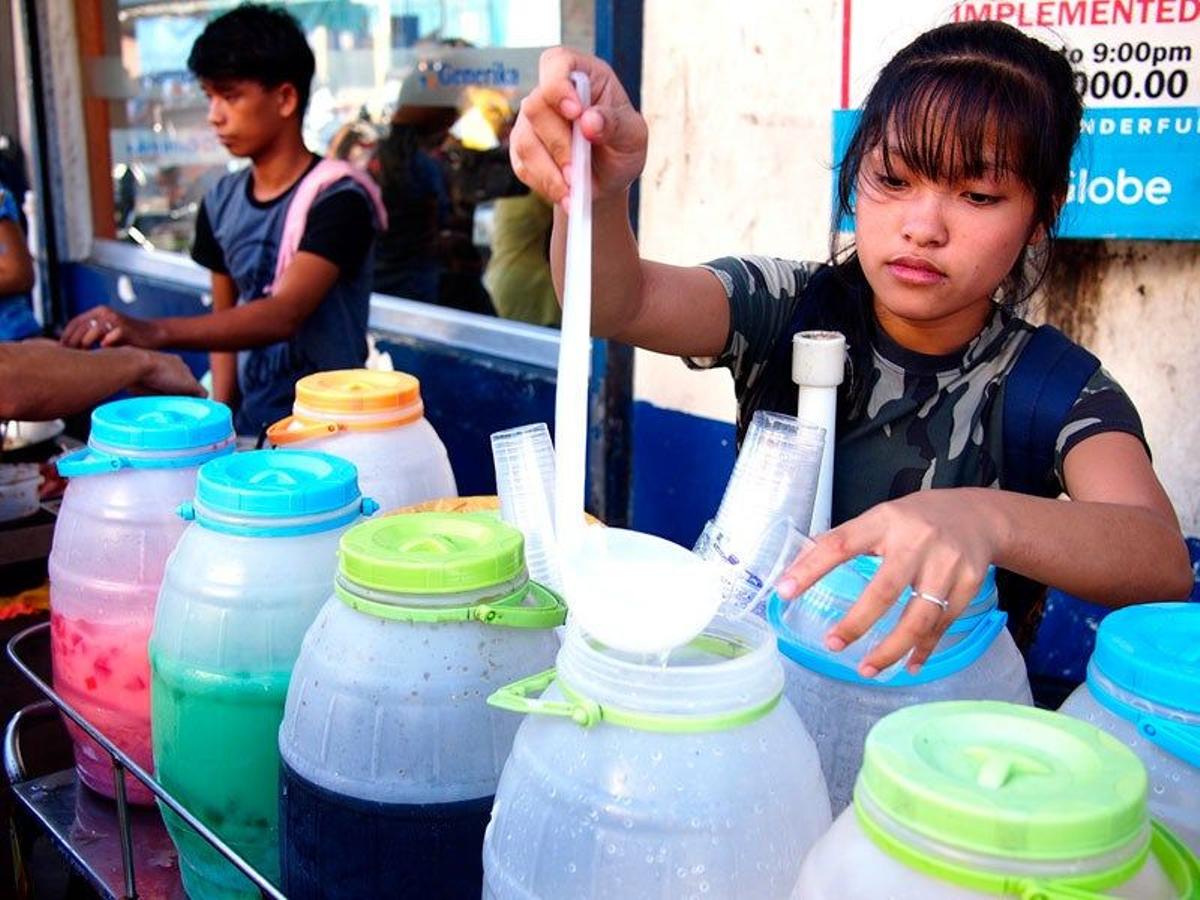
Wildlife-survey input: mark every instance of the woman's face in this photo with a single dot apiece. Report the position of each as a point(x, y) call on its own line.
point(935, 251)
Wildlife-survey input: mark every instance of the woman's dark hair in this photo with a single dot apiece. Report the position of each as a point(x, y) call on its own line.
point(961, 101)
point(255, 43)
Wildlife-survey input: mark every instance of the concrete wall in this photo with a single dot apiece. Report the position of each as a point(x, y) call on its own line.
point(738, 97)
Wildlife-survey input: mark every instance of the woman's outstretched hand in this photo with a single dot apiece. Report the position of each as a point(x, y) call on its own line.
point(938, 542)
point(540, 143)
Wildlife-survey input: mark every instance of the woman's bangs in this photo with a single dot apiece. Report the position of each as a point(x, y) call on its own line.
point(951, 129)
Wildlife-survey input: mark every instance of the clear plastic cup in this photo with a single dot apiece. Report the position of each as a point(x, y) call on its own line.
point(524, 461)
point(809, 617)
point(748, 574)
point(775, 477)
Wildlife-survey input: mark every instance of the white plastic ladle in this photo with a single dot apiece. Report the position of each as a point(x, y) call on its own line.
point(575, 346)
point(634, 592)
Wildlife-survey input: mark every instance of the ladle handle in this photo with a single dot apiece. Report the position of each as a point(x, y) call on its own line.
point(575, 351)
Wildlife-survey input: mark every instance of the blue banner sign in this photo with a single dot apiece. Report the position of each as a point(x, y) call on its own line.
point(1135, 173)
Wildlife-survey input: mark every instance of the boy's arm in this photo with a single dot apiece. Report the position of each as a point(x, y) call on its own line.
point(16, 266)
point(303, 285)
point(223, 365)
point(40, 380)
point(337, 238)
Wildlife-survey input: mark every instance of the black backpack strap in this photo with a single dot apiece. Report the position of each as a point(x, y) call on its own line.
point(821, 304)
point(1039, 392)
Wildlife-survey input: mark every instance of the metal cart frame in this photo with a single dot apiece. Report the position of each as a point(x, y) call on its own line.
point(30, 792)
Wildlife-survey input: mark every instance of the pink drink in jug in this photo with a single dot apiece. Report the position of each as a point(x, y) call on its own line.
point(117, 526)
point(102, 670)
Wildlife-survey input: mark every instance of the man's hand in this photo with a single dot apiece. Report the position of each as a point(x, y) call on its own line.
point(166, 374)
point(40, 380)
point(105, 326)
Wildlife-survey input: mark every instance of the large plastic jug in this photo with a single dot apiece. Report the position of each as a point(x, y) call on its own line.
point(635, 777)
point(1143, 688)
point(976, 659)
point(390, 752)
point(377, 421)
point(978, 799)
point(115, 530)
point(243, 585)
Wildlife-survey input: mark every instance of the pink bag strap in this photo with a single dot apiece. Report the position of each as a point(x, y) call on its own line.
point(323, 175)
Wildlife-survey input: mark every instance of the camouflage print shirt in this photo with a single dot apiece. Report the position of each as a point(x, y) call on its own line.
point(929, 421)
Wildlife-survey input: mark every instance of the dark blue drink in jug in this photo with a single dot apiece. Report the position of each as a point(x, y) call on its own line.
point(390, 754)
point(342, 848)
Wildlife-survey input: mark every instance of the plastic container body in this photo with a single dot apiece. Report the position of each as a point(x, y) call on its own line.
point(390, 754)
point(617, 811)
point(231, 616)
point(1174, 796)
point(397, 466)
point(838, 714)
point(111, 543)
point(847, 863)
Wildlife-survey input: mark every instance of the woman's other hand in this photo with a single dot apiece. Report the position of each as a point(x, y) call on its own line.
point(938, 542)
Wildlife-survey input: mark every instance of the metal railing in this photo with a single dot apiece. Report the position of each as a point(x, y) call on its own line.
point(122, 766)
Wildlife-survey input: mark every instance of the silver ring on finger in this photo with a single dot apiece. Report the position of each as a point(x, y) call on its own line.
point(942, 604)
point(92, 323)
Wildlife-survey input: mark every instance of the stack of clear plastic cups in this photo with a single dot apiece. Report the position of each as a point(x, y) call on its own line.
point(524, 461)
point(775, 478)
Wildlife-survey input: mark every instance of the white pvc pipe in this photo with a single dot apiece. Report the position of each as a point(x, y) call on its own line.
point(818, 366)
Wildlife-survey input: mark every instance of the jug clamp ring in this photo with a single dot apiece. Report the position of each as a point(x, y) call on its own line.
point(586, 712)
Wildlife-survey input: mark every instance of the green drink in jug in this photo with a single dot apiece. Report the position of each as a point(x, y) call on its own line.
point(244, 584)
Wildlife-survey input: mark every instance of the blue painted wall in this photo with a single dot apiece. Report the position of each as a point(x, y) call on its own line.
point(681, 464)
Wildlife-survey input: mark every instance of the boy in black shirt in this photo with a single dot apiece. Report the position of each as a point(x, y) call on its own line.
point(256, 69)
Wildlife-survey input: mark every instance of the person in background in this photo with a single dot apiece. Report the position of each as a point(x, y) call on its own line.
point(16, 274)
point(40, 380)
point(354, 142)
point(290, 292)
point(409, 261)
point(518, 271)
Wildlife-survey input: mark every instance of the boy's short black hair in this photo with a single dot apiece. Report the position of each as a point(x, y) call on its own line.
point(255, 43)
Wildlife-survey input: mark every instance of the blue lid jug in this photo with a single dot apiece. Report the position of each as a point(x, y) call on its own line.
point(152, 433)
point(1146, 669)
point(275, 493)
